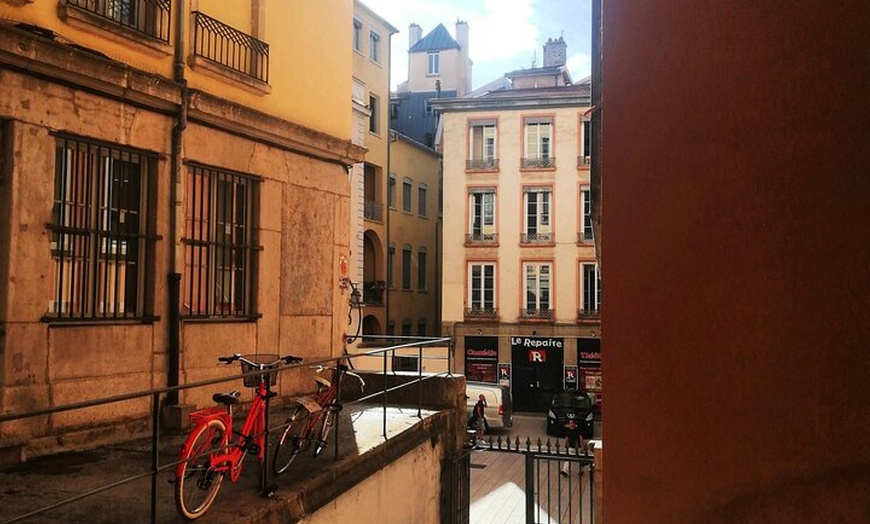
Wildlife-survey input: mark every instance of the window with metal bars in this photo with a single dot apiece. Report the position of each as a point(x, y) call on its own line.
point(220, 249)
point(148, 17)
point(99, 242)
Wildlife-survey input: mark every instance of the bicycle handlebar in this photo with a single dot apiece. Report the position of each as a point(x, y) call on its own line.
point(289, 359)
point(344, 370)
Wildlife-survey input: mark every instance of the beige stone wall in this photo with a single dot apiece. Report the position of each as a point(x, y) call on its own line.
point(303, 230)
point(407, 490)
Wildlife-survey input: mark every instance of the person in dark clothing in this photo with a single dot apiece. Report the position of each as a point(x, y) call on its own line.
point(479, 418)
point(574, 443)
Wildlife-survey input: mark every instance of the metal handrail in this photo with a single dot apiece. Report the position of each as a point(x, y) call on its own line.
point(155, 394)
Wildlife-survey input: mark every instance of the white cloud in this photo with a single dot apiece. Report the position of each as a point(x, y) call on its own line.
point(580, 65)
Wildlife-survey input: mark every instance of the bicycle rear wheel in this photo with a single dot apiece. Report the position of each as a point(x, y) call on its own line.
point(293, 440)
point(199, 483)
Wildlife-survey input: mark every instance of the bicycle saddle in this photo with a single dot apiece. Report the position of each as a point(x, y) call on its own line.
point(322, 381)
point(226, 398)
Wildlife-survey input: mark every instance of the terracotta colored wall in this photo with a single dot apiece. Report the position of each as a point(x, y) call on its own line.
point(735, 260)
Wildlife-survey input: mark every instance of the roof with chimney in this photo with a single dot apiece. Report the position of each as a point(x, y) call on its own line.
point(437, 40)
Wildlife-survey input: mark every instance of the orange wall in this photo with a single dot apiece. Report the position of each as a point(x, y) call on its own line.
point(736, 252)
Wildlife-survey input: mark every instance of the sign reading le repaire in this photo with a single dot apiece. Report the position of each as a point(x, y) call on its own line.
point(537, 347)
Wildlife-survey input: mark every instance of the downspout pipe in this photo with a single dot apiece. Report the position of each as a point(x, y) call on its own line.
point(174, 274)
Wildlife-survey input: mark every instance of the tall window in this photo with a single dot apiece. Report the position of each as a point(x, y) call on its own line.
point(421, 269)
point(99, 222)
point(421, 327)
point(537, 215)
point(481, 287)
point(586, 144)
point(538, 137)
point(586, 218)
point(481, 215)
point(375, 46)
point(406, 194)
point(219, 243)
point(357, 35)
point(421, 200)
point(434, 63)
point(481, 145)
point(590, 282)
point(406, 266)
point(536, 287)
point(391, 262)
point(391, 192)
point(373, 117)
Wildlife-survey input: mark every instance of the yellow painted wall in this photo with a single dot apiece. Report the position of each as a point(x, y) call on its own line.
point(309, 62)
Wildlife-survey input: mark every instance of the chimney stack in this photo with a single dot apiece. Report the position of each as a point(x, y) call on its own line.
point(555, 52)
point(415, 33)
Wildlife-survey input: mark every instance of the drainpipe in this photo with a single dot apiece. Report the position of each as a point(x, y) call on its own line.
point(174, 276)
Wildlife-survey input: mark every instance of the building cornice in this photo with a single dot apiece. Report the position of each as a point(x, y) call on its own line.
point(510, 102)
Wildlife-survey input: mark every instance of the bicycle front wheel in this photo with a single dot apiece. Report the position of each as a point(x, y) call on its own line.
point(199, 483)
point(293, 440)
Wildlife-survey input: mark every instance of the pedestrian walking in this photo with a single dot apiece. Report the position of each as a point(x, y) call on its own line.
point(574, 443)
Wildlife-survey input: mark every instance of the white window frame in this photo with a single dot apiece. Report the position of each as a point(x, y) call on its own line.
point(538, 282)
point(586, 214)
point(433, 63)
point(482, 141)
point(590, 297)
point(477, 286)
point(482, 212)
point(539, 138)
point(357, 35)
point(538, 221)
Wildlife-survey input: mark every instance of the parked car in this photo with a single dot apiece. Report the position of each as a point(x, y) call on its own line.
point(577, 405)
point(499, 408)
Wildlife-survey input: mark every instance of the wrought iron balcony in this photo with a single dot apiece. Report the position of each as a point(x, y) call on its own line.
point(539, 162)
point(148, 17)
point(585, 237)
point(229, 47)
point(476, 313)
point(481, 238)
point(481, 164)
point(583, 161)
point(536, 314)
point(536, 238)
point(373, 211)
point(588, 314)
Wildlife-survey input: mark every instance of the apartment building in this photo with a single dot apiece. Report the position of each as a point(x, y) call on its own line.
point(172, 190)
point(521, 286)
point(367, 268)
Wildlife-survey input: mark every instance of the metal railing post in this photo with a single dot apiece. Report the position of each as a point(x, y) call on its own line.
point(155, 459)
point(530, 488)
point(385, 394)
point(419, 381)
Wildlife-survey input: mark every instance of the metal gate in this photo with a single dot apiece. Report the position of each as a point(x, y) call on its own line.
point(559, 489)
point(456, 488)
point(558, 483)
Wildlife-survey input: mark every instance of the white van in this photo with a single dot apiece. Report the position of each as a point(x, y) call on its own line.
point(499, 408)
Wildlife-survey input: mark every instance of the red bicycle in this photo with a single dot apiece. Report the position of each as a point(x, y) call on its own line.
point(208, 455)
point(311, 421)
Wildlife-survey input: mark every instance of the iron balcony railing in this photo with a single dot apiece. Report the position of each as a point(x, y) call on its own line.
point(536, 314)
point(373, 211)
point(148, 17)
point(482, 164)
point(583, 161)
point(536, 238)
point(481, 238)
point(478, 313)
point(584, 237)
point(229, 47)
point(588, 314)
point(539, 162)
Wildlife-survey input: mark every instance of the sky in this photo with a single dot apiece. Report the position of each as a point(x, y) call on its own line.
point(504, 35)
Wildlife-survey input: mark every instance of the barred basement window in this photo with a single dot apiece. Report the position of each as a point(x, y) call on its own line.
point(220, 253)
point(99, 241)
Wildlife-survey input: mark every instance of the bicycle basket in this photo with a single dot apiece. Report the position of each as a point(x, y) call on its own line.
point(252, 381)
